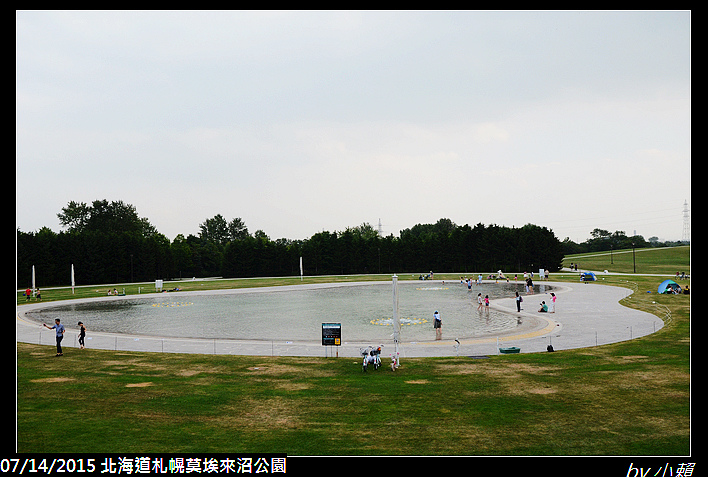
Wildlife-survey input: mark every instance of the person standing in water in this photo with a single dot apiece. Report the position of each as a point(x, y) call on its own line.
point(518, 301)
point(437, 324)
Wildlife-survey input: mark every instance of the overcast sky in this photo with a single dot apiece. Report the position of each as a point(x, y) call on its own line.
point(299, 122)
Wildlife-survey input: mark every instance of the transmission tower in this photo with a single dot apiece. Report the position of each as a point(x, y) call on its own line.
point(686, 223)
point(380, 229)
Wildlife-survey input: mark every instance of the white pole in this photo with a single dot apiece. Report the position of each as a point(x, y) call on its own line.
point(72, 279)
point(33, 286)
point(300, 268)
point(396, 318)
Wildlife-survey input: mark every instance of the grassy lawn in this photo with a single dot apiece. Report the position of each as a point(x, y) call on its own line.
point(646, 260)
point(630, 398)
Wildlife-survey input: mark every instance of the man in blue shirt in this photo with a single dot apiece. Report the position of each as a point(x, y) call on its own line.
point(60, 334)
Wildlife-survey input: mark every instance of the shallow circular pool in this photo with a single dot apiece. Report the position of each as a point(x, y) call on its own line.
point(297, 312)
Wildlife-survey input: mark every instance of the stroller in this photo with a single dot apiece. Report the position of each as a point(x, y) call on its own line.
point(372, 356)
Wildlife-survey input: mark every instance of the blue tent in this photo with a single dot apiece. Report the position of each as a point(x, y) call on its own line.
point(669, 286)
point(588, 277)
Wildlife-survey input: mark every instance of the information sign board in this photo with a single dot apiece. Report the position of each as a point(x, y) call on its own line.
point(331, 334)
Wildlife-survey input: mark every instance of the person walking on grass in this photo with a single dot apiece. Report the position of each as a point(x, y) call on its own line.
point(60, 334)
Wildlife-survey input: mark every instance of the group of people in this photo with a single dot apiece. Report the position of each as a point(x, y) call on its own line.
point(38, 294)
point(677, 290)
point(483, 302)
point(528, 279)
point(60, 330)
point(478, 280)
point(544, 308)
point(470, 281)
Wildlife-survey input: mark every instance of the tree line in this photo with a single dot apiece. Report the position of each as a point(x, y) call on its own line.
point(603, 241)
point(107, 242)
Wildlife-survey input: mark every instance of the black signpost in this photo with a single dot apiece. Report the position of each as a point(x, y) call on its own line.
point(332, 334)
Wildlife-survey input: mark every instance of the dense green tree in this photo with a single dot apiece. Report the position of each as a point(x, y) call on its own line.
point(237, 229)
point(215, 230)
point(107, 242)
point(105, 217)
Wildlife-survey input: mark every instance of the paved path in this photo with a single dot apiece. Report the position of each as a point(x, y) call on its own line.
point(586, 315)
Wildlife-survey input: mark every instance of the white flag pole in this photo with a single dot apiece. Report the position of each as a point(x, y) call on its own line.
point(396, 319)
